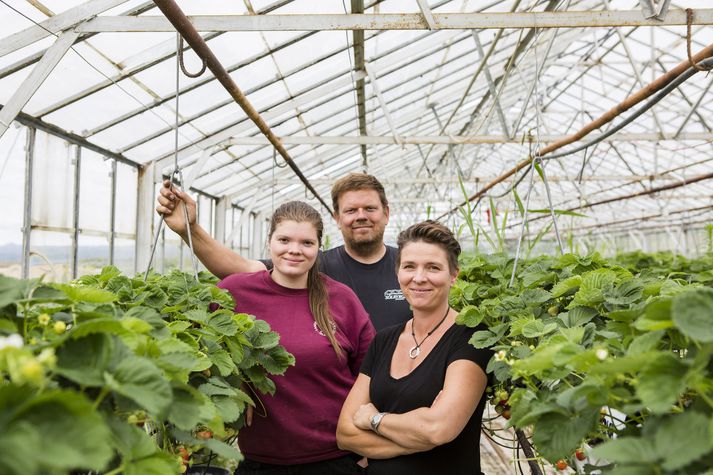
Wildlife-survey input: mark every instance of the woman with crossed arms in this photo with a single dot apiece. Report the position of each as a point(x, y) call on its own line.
point(417, 404)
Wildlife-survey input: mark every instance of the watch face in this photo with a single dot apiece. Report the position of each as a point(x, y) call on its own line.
point(375, 420)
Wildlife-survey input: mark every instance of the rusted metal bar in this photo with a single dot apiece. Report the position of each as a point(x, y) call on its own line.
point(184, 27)
point(649, 191)
point(688, 181)
point(626, 104)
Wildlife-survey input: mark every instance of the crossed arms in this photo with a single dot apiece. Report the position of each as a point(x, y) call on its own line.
point(418, 430)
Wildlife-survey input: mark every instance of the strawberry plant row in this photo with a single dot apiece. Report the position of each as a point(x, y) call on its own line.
point(613, 355)
point(116, 375)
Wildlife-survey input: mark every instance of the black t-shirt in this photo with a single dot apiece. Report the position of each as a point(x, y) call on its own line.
point(375, 284)
point(419, 389)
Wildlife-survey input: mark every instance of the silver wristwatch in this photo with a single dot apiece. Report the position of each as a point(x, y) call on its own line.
point(376, 420)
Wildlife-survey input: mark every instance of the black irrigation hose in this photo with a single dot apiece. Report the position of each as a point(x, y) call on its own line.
point(527, 450)
point(647, 105)
point(498, 443)
point(708, 62)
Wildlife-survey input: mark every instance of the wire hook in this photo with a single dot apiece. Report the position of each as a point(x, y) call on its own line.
point(183, 66)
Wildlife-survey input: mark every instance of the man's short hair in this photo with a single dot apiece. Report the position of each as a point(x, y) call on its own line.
point(356, 182)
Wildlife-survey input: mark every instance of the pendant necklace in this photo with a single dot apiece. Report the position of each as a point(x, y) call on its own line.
point(416, 350)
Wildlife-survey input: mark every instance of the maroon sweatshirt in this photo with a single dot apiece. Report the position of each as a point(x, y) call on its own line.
point(301, 421)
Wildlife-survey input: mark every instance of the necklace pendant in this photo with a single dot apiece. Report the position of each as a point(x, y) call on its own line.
point(414, 352)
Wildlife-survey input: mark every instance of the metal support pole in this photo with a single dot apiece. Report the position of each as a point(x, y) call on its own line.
point(524, 224)
point(75, 210)
point(693, 109)
point(384, 106)
point(491, 85)
point(27, 221)
point(427, 14)
point(112, 213)
point(549, 201)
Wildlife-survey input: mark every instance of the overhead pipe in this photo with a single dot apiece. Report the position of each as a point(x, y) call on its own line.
point(634, 99)
point(185, 28)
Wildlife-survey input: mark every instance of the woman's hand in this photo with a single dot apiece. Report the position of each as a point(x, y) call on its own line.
point(363, 415)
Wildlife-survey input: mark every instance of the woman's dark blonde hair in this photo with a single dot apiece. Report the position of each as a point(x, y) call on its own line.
point(431, 232)
point(301, 212)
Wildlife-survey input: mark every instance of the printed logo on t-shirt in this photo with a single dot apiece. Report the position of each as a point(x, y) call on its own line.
point(393, 294)
point(318, 330)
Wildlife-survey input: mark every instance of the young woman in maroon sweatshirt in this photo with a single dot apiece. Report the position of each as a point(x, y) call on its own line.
point(323, 324)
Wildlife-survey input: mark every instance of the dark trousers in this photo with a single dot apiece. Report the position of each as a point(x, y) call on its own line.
point(346, 465)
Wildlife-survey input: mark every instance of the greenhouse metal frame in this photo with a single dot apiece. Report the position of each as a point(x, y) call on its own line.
point(445, 102)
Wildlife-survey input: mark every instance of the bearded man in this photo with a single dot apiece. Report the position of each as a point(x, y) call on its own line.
point(363, 262)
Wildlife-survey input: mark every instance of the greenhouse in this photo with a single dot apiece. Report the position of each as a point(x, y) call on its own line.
point(565, 144)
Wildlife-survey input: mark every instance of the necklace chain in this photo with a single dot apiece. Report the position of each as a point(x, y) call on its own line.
point(416, 350)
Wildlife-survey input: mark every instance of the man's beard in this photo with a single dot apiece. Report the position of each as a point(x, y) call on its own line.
point(366, 247)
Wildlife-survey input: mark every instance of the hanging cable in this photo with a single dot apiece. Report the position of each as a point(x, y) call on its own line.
point(183, 66)
point(176, 174)
point(689, 23)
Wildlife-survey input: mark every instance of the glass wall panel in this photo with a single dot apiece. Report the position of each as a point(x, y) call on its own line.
point(51, 256)
point(52, 182)
point(94, 192)
point(124, 255)
point(12, 181)
point(92, 254)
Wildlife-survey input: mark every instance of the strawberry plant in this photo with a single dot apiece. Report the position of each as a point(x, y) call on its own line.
point(113, 374)
point(615, 353)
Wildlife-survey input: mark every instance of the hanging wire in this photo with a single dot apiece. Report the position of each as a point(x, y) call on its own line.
point(526, 212)
point(689, 23)
point(183, 66)
point(538, 160)
point(522, 227)
point(175, 174)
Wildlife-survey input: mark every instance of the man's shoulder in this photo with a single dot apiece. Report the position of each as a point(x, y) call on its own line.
point(391, 252)
point(336, 287)
point(333, 252)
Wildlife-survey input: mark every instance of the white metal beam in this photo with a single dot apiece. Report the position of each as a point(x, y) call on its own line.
point(491, 83)
point(485, 179)
point(144, 214)
point(459, 139)
point(38, 75)
point(427, 14)
point(397, 21)
point(384, 106)
point(268, 115)
point(55, 24)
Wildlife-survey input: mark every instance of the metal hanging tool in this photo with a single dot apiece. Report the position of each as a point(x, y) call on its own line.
point(176, 173)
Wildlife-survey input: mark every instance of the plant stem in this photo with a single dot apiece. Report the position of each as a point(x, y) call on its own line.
point(117, 470)
point(100, 398)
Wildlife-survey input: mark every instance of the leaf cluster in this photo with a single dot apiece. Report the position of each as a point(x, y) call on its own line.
point(609, 352)
point(113, 373)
